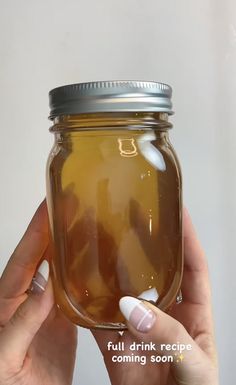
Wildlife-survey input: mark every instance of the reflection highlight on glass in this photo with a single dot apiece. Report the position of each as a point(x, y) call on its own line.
point(150, 221)
point(150, 152)
point(149, 295)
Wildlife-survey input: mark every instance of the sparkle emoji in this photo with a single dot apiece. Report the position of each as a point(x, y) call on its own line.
point(181, 357)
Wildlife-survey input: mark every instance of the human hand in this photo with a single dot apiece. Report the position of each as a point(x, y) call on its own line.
point(188, 323)
point(37, 344)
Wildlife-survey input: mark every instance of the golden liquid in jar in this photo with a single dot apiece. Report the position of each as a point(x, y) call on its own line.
point(116, 223)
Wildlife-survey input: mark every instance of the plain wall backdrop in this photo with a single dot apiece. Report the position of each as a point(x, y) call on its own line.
point(190, 45)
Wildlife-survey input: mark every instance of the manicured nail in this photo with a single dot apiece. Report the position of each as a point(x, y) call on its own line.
point(139, 316)
point(39, 282)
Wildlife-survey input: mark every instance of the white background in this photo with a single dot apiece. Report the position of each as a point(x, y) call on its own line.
point(190, 45)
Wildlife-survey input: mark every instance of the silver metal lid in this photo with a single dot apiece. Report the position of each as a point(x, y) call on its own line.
point(110, 96)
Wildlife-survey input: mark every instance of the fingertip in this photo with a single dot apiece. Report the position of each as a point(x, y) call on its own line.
point(42, 205)
point(40, 279)
point(127, 304)
point(187, 221)
point(139, 316)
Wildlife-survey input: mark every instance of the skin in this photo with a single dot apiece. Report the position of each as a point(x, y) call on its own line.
point(190, 322)
point(38, 345)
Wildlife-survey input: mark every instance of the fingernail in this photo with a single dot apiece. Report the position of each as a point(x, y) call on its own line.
point(39, 282)
point(139, 316)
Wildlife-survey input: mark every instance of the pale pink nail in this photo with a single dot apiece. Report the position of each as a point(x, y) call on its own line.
point(39, 282)
point(140, 316)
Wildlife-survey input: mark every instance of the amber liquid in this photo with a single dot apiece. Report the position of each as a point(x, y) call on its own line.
point(114, 202)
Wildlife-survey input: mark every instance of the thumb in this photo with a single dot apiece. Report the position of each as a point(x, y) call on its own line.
point(17, 335)
point(169, 337)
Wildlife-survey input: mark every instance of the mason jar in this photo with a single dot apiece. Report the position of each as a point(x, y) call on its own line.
point(114, 199)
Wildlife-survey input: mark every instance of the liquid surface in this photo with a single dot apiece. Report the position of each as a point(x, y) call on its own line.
point(114, 202)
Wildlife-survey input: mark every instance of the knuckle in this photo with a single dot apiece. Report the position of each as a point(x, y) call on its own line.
point(21, 315)
point(27, 316)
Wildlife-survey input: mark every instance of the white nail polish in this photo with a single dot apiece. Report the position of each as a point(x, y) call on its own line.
point(44, 269)
point(127, 304)
point(139, 315)
point(39, 282)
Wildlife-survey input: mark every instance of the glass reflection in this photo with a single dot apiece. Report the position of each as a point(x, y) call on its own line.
point(150, 152)
point(149, 295)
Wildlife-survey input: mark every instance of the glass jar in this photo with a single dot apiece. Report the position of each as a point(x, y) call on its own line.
point(114, 200)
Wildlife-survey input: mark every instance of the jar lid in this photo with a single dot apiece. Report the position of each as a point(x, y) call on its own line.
point(110, 96)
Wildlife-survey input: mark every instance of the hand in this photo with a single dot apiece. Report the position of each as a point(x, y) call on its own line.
point(188, 323)
point(37, 344)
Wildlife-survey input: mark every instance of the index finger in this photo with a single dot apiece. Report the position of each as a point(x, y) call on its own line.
point(195, 285)
point(21, 266)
